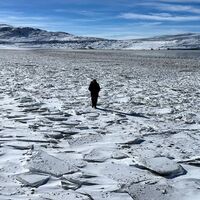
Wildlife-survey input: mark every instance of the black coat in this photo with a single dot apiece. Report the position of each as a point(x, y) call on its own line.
point(94, 88)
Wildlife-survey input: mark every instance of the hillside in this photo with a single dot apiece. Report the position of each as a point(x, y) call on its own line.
point(27, 37)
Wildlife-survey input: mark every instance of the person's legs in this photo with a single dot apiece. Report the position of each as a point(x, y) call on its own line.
point(95, 101)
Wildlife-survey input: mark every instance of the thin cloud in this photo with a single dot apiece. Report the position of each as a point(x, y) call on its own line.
point(159, 17)
point(179, 8)
point(18, 19)
point(180, 1)
point(84, 13)
point(173, 7)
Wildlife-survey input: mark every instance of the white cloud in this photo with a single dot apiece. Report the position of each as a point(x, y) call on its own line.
point(179, 8)
point(173, 7)
point(181, 1)
point(159, 17)
point(18, 19)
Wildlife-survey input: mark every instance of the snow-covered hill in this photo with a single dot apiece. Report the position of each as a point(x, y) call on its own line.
point(36, 38)
point(27, 34)
point(181, 41)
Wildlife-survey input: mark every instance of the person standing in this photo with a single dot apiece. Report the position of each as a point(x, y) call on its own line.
point(94, 89)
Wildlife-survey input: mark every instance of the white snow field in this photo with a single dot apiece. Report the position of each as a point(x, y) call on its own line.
point(141, 143)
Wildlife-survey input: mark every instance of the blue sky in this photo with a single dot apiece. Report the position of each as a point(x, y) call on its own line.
point(117, 19)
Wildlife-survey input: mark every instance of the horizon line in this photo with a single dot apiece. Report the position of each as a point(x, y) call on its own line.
point(93, 36)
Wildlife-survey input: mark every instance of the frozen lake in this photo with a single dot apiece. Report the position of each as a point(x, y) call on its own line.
point(141, 143)
point(169, 53)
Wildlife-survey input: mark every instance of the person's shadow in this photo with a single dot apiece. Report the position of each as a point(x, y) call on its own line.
point(133, 114)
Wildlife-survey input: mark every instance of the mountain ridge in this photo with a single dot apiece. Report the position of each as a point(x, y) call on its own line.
point(30, 37)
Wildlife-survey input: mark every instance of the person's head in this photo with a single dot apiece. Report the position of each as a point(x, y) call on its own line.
point(94, 80)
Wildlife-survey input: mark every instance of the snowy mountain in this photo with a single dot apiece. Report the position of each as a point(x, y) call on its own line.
point(27, 37)
point(28, 34)
point(180, 41)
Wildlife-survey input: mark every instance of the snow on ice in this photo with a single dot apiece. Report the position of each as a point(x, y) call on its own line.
point(142, 141)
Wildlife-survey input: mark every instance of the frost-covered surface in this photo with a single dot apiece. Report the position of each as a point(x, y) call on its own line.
point(163, 166)
point(141, 143)
point(27, 37)
point(32, 180)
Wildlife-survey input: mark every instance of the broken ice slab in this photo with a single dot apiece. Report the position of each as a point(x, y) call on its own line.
point(151, 192)
point(188, 187)
point(119, 155)
point(125, 174)
point(15, 116)
point(59, 133)
point(78, 179)
point(20, 145)
point(31, 109)
point(55, 135)
point(99, 195)
point(24, 119)
point(65, 131)
point(63, 195)
point(32, 180)
point(82, 127)
point(163, 166)
point(97, 155)
point(79, 175)
point(26, 100)
point(192, 161)
point(130, 141)
point(58, 117)
point(74, 158)
point(33, 104)
point(70, 185)
point(42, 162)
point(85, 140)
point(54, 141)
point(83, 182)
point(69, 124)
point(101, 155)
